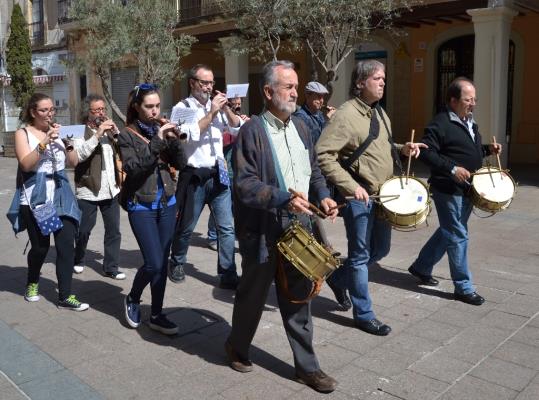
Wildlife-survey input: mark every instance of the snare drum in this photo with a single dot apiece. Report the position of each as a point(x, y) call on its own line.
point(302, 250)
point(405, 205)
point(492, 189)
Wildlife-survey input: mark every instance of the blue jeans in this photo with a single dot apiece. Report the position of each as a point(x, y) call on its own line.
point(451, 237)
point(212, 229)
point(369, 240)
point(219, 199)
point(153, 230)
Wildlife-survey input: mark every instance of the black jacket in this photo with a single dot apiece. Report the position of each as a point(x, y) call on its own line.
point(143, 161)
point(450, 144)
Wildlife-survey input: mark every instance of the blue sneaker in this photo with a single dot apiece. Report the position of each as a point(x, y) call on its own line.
point(162, 324)
point(132, 312)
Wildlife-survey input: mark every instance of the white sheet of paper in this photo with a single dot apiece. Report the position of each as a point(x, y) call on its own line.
point(237, 90)
point(74, 131)
point(184, 115)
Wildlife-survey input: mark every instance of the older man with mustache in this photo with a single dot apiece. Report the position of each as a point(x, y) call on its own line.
point(274, 152)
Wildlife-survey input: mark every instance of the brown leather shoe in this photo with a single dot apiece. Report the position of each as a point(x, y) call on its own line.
point(318, 380)
point(235, 362)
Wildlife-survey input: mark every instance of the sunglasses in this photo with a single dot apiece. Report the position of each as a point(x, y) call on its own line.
point(144, 87)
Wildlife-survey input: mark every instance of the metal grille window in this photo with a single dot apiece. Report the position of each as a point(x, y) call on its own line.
point(36, 27)
point(455, 58)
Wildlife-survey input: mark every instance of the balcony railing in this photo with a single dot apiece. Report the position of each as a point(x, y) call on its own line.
point(37, 33)
point(63, 11)
point(192, 11)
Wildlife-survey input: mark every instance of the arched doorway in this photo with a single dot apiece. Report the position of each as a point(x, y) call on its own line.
point(456, 58)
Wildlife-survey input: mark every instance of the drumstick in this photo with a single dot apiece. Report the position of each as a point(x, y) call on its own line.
point(409, 157)
point(337, 207)
point(498, 157)
point(376, 196)
point(312, 207)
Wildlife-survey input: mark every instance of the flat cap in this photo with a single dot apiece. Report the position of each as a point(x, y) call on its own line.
point(316, 87)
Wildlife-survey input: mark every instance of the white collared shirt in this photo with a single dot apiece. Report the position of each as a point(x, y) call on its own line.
point(203, 148)
point(468, 122)
point(84, 149)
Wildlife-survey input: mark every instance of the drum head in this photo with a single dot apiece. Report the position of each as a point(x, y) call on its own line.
point(496, 186)
point(413, 196)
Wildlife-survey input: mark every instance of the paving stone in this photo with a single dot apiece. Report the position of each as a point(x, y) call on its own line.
point(309, 394)
point(531, 289)
point(452, 316)
point(503, 320)
point(409, 344)
point(386, 363)
point(60, 385)
point(426, 301)
point(264, 387)
point(470, 388)
point(528, 335)
point(412, 386)
point(530, 393)
point(474, 343)
point(360, 383)
point(406, 313)
point(519, 353)
point(12, 393)
point(433, 330)
point(441, 367)
point(332, 357)
point(504, 373)
point(519, 304)
point(493, 295)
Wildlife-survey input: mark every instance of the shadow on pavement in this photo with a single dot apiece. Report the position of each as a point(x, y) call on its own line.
point(203, 333)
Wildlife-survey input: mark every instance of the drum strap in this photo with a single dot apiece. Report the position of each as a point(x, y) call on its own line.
point(283, 283)
point(394, 151)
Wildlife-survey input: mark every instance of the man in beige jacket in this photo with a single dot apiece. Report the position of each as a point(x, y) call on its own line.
point(357, 121)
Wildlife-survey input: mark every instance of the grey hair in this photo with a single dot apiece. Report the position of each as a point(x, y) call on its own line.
point(268, 73)
point(362, 71)
point(85, 106)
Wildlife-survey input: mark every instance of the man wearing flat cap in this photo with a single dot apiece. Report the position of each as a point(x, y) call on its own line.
point(311, 111)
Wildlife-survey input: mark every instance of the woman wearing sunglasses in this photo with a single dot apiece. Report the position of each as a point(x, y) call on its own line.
point(150, 152)
point(42, 182)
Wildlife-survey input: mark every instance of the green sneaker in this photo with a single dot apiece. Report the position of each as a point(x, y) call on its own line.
point(31, 293)
point(71, 303)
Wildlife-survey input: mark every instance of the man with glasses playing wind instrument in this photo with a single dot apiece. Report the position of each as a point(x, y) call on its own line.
point(205, 180)
point(97, 184)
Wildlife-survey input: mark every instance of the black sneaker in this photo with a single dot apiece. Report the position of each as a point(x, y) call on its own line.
point(132, 312)
point(162, 324)
point(176, 273)
point(119, 276)
point(71, 303)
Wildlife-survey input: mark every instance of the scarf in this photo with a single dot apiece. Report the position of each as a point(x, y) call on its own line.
point(148, 130)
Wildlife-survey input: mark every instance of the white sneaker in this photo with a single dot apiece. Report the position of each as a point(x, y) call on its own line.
point(78, 269)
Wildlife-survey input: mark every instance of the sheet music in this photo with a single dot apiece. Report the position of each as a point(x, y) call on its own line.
point(184, 115)
point(237, 90)
point(74, 131)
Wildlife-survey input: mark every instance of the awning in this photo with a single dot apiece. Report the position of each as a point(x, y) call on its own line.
point(39, 80)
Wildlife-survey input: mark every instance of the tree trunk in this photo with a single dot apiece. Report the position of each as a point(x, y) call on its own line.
point(108, 96)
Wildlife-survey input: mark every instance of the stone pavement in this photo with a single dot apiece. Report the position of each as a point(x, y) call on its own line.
point(439, 348)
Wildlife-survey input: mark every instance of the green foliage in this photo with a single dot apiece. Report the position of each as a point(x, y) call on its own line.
point(141, 31)
point(328, 29)
point(19, 58)
point(263, 25)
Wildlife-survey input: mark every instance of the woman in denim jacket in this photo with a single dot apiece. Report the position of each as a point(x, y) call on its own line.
point(41, 179)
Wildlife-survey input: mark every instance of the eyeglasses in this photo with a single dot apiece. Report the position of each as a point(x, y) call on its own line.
point(470, 100)
point(144, 87)
point(46, 110)
point(97, 110)
point(204, 83)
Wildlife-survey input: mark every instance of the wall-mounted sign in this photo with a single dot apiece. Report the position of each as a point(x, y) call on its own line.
point(418, 65)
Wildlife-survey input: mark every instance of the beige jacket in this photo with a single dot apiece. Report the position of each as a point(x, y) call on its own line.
point(345, 132)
